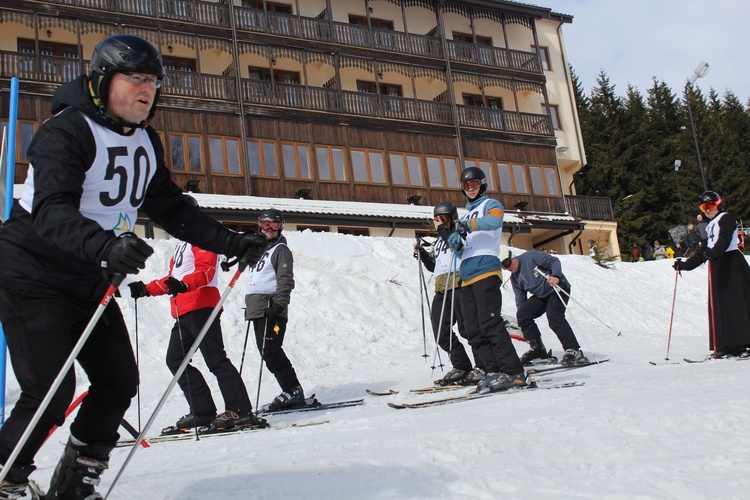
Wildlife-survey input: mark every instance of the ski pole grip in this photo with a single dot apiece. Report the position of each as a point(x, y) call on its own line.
point(117, 279)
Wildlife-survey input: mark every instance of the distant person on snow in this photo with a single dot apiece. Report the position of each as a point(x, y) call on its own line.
point(535, 296)
point(659, 251)
point(192, 281)
point(445, 310)
point(268, 292)
point(728, 281)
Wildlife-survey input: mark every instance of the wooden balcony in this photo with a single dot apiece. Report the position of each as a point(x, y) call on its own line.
point(505, 121)
point(590, 207)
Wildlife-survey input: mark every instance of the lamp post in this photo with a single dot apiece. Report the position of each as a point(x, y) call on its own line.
point(677, 164)
point(700, 71)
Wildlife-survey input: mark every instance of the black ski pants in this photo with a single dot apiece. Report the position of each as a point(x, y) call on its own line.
point(481, 303)
point(446, 338)
point(193, 385)
point(554, 307)
point(272, 352)
point(41, 331)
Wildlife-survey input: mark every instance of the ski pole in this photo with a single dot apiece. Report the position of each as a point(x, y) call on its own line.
point(262, 359)
point(671, 315)
point(539, 271)
point(244, 347)
point(116, 281)
point(451, 275)
point(422, 293)
point(137, 363)
point(183, 366)
point(187, 376)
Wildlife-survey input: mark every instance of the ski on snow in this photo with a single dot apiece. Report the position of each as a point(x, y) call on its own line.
point(474, 395)
point(389, 392)
point(312, 404)
point(735, 358)
point(206, 431)
point(560, 368)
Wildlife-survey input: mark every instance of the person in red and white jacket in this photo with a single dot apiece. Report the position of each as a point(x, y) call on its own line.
point(192, 282)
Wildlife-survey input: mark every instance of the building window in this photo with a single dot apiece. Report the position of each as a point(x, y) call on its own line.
point(24, 133)
point(279, 75)
point(469, 38)
point(261, 157)
point(482, 102)
point(354, 231)
point(271, 6)
point(224, 155)
point(544, 181)
point(314, 229)
point(486, 167)
point(554, 113)
point(375, 23)
point(187, 154)
point(56, 59)
point(368, 166)
point(330, 163)
point(178, 63)
point(543, 55)
point(296, 161)
point(406, 169)
point(389, 89)
point(442, 171)
point(512, 178)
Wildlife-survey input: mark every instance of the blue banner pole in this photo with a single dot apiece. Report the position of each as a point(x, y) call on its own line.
point(10, 175)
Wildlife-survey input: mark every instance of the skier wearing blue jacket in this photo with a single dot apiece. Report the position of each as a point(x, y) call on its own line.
point(544, 299)
point(477, 238)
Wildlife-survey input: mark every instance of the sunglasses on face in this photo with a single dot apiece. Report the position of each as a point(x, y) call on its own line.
point(273, 225)
point(444, 219)
point(472, 184)
point(705, 207)
point(139, 80)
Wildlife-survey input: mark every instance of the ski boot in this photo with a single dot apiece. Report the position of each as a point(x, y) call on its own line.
point(573, 357)
point(536, 351)
point(189, 421)
point(230, 419)
point(292, 399)
point(78, 472)
point(12, 491)
point(473, 377)
point(484, 384)
point(451, 377)
point(505, 381)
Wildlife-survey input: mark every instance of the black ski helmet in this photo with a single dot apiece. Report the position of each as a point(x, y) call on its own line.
point(471, 173)
point(272, 215)
point(120, 54)
point(446, 208)
point(710, 197)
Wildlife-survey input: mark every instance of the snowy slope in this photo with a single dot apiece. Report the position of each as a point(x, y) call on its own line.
point(633, 431)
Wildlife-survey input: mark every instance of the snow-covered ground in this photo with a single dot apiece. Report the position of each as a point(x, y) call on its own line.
point(632, 431)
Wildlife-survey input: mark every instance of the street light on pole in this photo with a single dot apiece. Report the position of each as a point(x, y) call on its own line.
point(700, 71)
point(677, 164)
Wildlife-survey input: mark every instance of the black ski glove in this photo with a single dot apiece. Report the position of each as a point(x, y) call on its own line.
point(679, 265)
point(125, 254)
point(175, 286)
point(138, 289)
point(462, 229)
point(273, 310)
point(247, 247)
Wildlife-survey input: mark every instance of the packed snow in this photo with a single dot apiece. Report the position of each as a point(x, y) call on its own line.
point(634, 430)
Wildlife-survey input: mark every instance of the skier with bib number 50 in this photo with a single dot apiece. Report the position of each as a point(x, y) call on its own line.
point(93, 165)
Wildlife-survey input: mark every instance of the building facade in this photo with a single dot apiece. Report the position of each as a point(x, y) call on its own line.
point(377, 101)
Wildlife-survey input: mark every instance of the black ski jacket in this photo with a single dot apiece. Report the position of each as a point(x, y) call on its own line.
point(55, 249)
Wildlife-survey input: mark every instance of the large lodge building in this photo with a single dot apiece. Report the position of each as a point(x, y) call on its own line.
point(350, 115)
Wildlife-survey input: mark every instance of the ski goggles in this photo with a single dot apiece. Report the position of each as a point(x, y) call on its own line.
point(444, 219)
point(471, 184)
point(710, 205)
point(273, 225)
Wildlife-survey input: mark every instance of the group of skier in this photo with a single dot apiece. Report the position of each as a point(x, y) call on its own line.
point(468, 291)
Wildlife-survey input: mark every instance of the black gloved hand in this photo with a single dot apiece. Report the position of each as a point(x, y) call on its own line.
point(679, 265)
point(274, 309)
point(125, 254)
point(462, 229)
point(175, 286)
point(138, 289)
point(710, 254)
point(248, 246)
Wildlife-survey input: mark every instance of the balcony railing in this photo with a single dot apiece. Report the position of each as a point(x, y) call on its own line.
point(59, 70)
point(590, 207)
point(494, 56)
